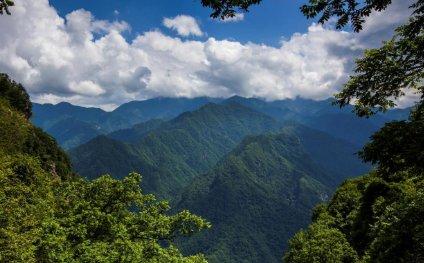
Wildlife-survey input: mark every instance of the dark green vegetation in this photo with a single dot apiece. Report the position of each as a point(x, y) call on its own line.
point(15, 95)
point(378, 217)
point(256, 179)
point(138, 131)
point(264, 190)
point(174, 153)
point(4, 6)
point(49, 214)
point(346, 11)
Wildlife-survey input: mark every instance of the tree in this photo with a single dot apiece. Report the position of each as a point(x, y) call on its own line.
point(353, 11)
point(4, 6)
point(15, 94)
point(384, 74)
point(228, 8)
point(45, 220)
point(380, 214)
point(49, 214)
point(109, 220)
point(320, 243)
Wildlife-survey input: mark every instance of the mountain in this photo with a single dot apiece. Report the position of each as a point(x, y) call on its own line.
point(254, 178)
point(20, 139)
point(136, 132)
point(263, 191)
point(82, 124)
point(74, 125)
point(47, 115)
point(323, 116)
point(71, 132)
point(157, 108)
point(169, 157)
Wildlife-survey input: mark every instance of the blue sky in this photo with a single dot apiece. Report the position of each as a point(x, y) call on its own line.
point(266, 23)
point(105, 53)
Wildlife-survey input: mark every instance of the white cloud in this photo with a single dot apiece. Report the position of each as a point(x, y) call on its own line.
point(236, 18)
point(86, 87)
point(88, 62)
point(184, 25)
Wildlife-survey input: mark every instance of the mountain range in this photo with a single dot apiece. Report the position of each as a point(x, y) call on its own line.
point(254, 169)
point(74, 125)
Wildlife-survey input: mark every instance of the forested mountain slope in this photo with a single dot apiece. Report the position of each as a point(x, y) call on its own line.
point(323, 116)
point(264, 190)
point(44, 206)
point(170, 156)
point(74, 125)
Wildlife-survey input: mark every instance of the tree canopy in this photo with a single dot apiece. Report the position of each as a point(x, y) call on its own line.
point(346, 11)
point(384, 74)
point(49, 214)
point(4, 6)
point(378, 216)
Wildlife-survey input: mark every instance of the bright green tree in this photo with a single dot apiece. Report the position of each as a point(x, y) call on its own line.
point(49, 214)
point(320, 242)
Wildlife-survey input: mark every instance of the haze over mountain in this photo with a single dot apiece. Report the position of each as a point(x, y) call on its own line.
point(83, 124)
point(74, 125)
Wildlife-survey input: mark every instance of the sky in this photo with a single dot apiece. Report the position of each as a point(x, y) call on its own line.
point(104, 53)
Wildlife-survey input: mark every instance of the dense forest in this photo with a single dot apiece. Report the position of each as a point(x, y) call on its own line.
point(50, 214)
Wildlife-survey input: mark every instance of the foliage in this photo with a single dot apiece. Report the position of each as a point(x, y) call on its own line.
point(26, 200)
point(386, 73)
point(4, 6)
point(353, 11)
point(227, 8)
point(320, 243)
point(19, 136)
point(398, 146)
point(107, 220)
point(15, 94)
point(262, 192)
point(170, 157)
point(48, 214)
point(380, 214)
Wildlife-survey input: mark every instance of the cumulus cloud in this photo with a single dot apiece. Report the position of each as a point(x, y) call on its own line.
point(236, 18)
point(86, 61)
point(184, 25)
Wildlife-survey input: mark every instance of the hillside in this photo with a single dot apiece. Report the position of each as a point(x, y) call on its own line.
point(138, 131)
point(170, 157)
point(262, 193)
point(74, 125)
point(323, 116)
point(44, 206)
